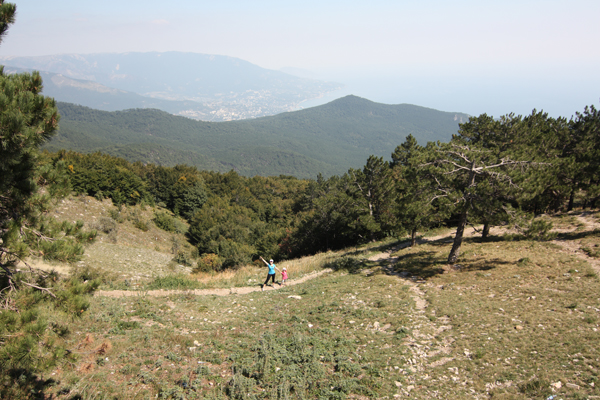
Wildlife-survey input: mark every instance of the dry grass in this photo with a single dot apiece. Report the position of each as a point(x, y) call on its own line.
point(132, 255)
point(523, 315)
point(511, 320)
point(254, 275)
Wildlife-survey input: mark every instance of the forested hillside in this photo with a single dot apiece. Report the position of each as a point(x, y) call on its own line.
point(327, 139)
point(492, 172)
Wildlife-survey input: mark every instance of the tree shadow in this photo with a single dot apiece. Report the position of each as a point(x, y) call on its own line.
point(422, 265)
point(393, 246)
point(578, 235)
point(23, 382)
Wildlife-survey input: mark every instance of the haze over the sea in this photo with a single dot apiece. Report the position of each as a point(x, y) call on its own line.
point(468, 56)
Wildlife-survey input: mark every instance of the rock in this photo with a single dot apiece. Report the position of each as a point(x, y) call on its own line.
point(398, 384)
point(573, 386)
point(294, 297)
point(376, 325)
point(519, 327)
point(556, 385)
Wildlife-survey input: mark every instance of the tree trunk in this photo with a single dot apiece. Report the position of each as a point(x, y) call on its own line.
point(486, 230)
point(571, 200)
point(460, 230)
point(413, 238)
point(462, 221)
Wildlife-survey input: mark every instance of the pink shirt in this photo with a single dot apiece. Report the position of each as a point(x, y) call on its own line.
point(284, 274)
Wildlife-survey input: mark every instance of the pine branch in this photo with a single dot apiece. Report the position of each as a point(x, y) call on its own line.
point(39, 288)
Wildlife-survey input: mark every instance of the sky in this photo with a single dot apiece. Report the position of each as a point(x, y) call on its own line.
point(470, 56)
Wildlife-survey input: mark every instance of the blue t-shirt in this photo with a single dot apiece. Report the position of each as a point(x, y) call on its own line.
point(271, 269)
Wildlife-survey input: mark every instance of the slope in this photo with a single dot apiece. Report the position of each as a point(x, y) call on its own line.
point(327, 139)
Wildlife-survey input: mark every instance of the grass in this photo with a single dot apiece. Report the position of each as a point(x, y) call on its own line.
point(511, 320)
point(524, 315)
point(336, 340)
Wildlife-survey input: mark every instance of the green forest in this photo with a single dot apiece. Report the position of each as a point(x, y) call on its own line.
point(327, 139)
point(494, 171)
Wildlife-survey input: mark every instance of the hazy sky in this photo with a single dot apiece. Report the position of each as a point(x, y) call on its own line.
point(471, 56)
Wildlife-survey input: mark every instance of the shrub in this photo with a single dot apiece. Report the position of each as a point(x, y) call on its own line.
point(209, 262)
point(183, 258)
point(539, 230)
point(141, 225)
point(116, 215)
point(106, 225)
point(164, 221)
point(135, 216)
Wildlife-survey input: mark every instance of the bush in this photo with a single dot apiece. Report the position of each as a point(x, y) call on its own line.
point(106, 225)
point(209, 262)
point(116, 215)
point(539, 230)
point(135, 216)
point(164, 221)
point(168, 223)
point(183, 258)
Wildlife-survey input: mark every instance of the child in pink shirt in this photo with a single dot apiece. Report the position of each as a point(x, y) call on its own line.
point(284, 275)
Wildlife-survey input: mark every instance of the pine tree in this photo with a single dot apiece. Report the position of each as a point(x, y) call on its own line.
point(27, 344)
point(372, 195)
point(585, 130)
point(416, 208)
point(27, 119)
point(477, 172)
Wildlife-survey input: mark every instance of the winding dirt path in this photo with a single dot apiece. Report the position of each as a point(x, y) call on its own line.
point(427, 351)
point(574, 246)
point(206, 292)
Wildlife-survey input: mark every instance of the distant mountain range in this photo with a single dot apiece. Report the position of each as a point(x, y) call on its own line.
point(200, 86)
point(327, 139)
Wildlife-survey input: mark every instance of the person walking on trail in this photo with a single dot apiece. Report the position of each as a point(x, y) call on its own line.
point(284, 275)
point(271, 274)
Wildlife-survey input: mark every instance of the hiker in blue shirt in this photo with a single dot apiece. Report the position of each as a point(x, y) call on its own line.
point(271, 274)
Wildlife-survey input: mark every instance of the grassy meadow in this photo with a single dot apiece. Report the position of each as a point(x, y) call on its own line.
point(514, 319)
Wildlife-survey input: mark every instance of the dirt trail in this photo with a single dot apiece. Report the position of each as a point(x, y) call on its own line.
point(574, 246)
point(427, 351)
point(206, 292)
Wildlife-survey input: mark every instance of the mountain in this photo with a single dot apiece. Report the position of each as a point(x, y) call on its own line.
point(327, 139)
point(201, 86)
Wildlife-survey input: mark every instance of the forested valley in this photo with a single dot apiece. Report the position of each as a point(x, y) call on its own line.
point(493, 172)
